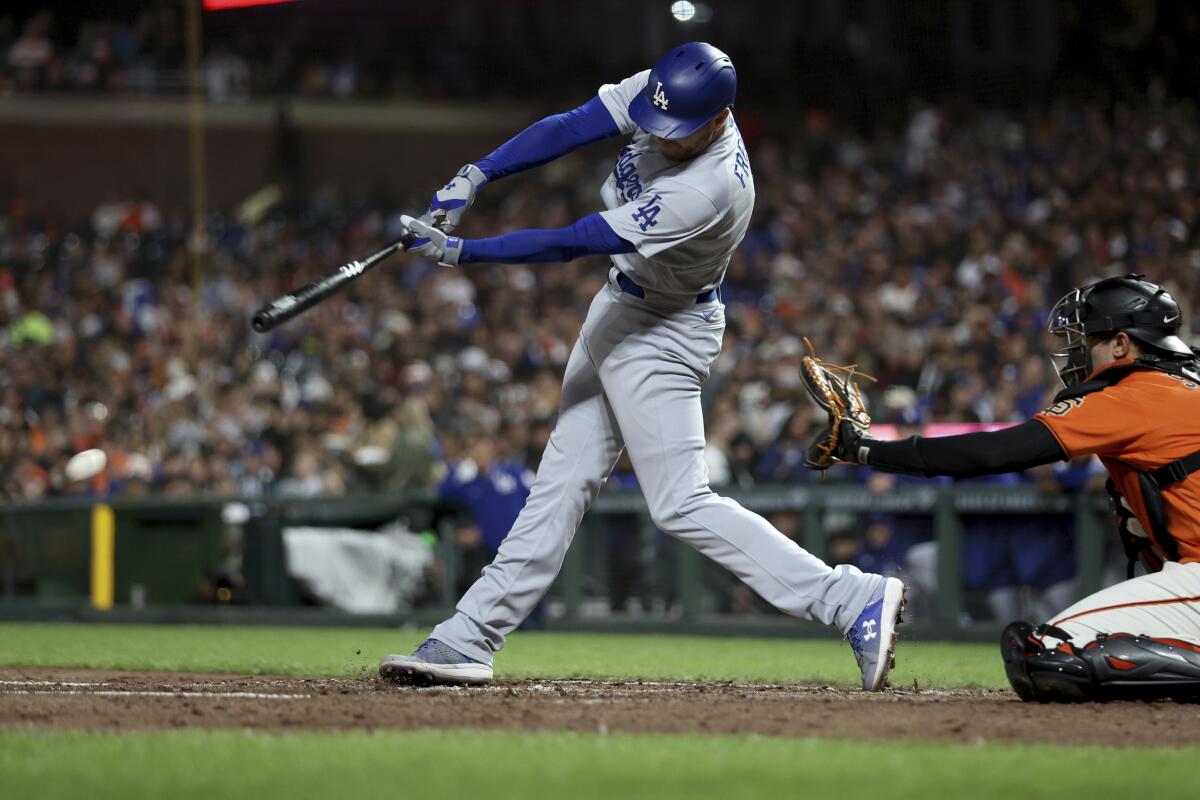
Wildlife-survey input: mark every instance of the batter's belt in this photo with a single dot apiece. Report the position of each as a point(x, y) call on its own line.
point(629, 287)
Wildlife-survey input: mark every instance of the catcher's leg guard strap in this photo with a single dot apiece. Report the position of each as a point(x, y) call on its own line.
point(1113, 667)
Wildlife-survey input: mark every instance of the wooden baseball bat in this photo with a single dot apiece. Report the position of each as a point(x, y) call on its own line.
point(289, 305)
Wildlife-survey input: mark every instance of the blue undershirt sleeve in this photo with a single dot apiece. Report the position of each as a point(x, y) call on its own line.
point(589, 236)
point(550, 138)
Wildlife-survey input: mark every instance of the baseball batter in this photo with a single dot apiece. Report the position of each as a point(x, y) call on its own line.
point(1132, 398)
point(677, 204)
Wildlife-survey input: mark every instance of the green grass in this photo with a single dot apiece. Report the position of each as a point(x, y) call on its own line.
point(505, 765)
point(356, 651)
point(496, 765)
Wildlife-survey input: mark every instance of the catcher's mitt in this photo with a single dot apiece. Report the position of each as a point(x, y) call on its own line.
point(834, 390)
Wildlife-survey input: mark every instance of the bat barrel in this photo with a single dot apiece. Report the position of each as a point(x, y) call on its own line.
point(284, 308)
point(265, 319)
point(288, 306)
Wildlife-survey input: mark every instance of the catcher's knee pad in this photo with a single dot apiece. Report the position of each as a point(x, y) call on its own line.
point(1047, 675)
point(1117, 666)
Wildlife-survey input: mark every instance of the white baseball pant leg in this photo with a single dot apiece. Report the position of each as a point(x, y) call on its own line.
point(1160, 605)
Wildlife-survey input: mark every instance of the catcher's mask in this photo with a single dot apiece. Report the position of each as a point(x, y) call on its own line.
point(1143, 310)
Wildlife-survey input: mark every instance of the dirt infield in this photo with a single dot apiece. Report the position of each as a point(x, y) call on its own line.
point(121, 701)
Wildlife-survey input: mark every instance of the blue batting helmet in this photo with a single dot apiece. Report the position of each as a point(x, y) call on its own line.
point(688, 86)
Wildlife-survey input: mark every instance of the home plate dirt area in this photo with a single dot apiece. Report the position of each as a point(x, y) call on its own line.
point(121, 701)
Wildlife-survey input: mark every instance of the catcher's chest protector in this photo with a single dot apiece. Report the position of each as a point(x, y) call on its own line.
point(1137, 494)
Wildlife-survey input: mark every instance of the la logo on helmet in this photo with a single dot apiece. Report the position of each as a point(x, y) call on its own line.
point(660, 99)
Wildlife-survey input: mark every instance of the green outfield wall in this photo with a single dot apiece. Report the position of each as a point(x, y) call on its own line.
point(167, 556)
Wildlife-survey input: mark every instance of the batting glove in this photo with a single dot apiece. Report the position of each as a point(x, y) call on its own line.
point(450, 202)
point(432, 242)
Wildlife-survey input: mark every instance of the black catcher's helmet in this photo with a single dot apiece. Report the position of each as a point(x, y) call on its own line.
point(1143, 310)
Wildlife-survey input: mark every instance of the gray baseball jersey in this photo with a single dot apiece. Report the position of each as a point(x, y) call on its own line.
point(685, 219)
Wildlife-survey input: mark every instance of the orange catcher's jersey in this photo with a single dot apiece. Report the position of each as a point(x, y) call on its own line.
point(1145, 421)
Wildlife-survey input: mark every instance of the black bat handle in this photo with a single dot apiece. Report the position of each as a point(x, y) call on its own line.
point(289, 305)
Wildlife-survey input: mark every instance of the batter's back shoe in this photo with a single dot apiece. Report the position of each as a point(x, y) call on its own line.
point(434, 663)
point(873, 634)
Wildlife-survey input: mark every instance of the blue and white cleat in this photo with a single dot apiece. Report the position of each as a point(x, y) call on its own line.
point(873, 635)
point(434, 663)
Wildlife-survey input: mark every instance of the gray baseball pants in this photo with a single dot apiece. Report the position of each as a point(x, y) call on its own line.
point(633, 380)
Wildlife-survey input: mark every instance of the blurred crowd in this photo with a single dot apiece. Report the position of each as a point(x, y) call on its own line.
point(300, 55)
point(146, 54)
point(864, 59)
point(928, 256)
point(102, 57)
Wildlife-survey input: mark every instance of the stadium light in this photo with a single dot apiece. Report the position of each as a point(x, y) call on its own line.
point(683, 11)
point(686, 12)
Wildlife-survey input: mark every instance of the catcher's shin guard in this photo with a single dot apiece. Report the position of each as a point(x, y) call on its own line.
point(1117, 666)
point(1129, 667)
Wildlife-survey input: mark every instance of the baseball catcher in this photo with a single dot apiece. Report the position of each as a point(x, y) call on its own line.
point(1131, 397)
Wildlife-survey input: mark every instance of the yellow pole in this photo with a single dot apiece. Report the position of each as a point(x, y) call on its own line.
point(199, 243)
point(104, 535)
